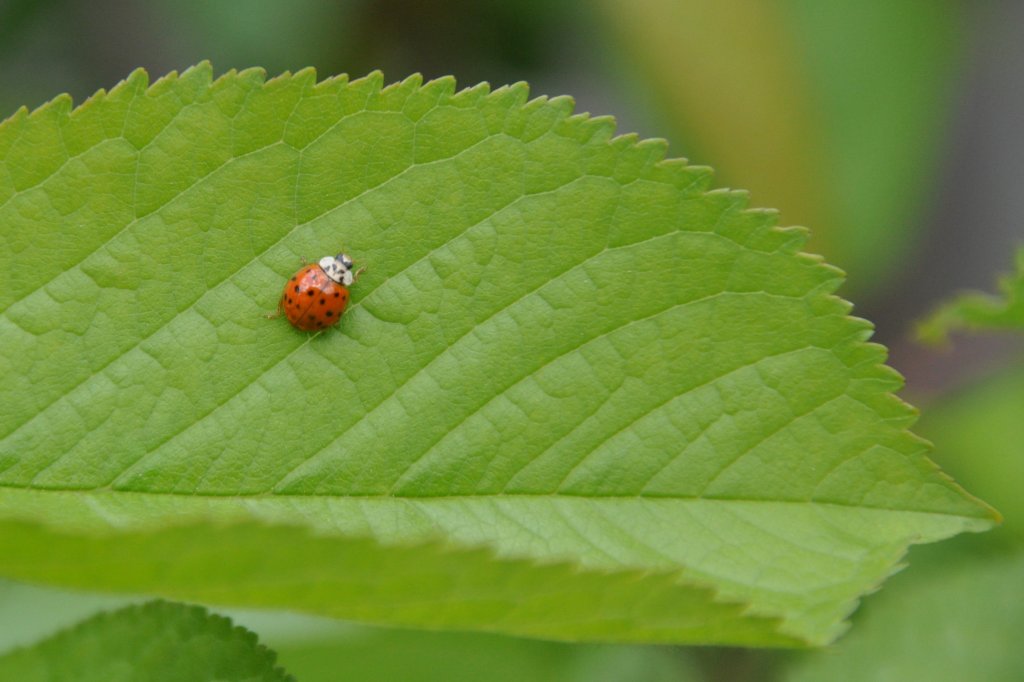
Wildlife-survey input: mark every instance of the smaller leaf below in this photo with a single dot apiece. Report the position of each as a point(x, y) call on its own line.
point(156, 642)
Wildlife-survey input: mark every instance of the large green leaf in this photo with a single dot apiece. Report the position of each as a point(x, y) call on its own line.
point(155, 642)
point(578, 395)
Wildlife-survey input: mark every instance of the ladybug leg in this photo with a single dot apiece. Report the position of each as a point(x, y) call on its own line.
point(277, 313)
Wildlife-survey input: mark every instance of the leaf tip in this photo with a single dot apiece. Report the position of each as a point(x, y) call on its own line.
point(59, 105)
point(256, 73)
point(19, 114)
point(438, 90)
point(602, 128)
point(202, 70)
point(413, 80)
point(518, 92)
point(331, 82)
point(563, 103)
point(283, 79)
point(624, 140)
point(306, 73)
point(373, 80)
point(655, 147)
point(591, 129)
point(471, 95)
point(138, 78)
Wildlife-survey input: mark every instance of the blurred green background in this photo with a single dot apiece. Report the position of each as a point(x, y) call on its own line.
point(894, 129)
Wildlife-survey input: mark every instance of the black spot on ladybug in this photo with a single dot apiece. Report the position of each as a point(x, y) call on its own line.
point(296, 288)
point(323, 301)
point(336, 294)
point(330, 313)
point(295, 278)
point(310, 292)
point(289, 299)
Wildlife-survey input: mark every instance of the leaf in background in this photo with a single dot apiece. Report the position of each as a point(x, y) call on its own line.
point(964, 623)
point(883, 76)
point(979, 312)
point(578, 395)
point(304, 31)
point(833, 112)
point(154, 642)
point(373, 654)
point(724, 75)
point(313, 648)
point(28, 613)
point(978, 434)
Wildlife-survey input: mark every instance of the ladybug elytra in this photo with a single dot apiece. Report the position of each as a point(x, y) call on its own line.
point(316, 296)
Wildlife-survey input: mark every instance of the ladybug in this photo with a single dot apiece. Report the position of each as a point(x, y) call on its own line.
point(316, 296)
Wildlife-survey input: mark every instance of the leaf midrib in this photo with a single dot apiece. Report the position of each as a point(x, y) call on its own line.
point(644, 497)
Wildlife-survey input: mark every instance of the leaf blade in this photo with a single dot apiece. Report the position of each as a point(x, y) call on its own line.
point(557, 325)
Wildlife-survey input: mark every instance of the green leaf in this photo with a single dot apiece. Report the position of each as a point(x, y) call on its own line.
point(979, 312)
point(579, 394)
point(152, 642)
point(963, 623)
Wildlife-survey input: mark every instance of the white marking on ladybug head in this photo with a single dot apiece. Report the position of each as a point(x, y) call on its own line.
point(338, 268)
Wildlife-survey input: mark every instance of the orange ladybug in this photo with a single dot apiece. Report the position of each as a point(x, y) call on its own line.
point(316, 296)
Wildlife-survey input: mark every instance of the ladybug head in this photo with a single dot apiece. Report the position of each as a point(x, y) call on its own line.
point(338, 268)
